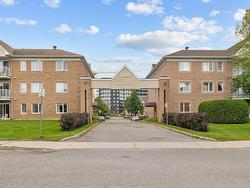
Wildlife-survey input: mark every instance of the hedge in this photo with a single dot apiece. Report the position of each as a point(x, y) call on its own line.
point(74, 120)
point(195, 121)
point(226, 111)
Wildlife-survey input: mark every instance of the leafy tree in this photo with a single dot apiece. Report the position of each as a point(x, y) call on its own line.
point(101, 109)
point(133, 104)
point(242, 60)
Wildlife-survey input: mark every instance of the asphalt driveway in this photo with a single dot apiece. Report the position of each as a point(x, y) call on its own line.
point(123, 130)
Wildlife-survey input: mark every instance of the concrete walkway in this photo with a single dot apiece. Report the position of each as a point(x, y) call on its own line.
point(119, 129)
point(124, 145)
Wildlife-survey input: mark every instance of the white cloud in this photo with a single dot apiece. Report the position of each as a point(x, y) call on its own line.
point(17, 21)
point(122, 59)
point(52, 3)
point(63, 28)
point(158, 42)
point(178, 6)
point(7, 2)
point(206, 1)
point(239, 14)
point(146, 7)
point(231, 36)
point(93, 30)
point(198, 25)
point(214, 13)
point(107, 2)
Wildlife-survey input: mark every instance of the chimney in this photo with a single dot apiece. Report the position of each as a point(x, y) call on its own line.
point(54, 47)
point(186, 48)
point(153, 65)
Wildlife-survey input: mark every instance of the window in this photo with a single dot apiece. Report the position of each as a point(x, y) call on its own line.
point(61, 108)
point(23, 87)
point(185, 66)
point(61, 87)
point(36, 87)
point(220, 66)
point(208, 66)
point(23, 66)
point(36, 108)
point(185, 87)
point(220, 86)
point(61, 65)
point(185, 107)
point(23, 109)
point(36, 65)
point(208, 87)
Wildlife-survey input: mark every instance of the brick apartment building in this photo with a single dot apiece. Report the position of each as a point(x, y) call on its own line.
point(192, 76)
point(23, 72)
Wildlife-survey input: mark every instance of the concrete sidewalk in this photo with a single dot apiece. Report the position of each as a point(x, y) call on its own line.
point(122, 145)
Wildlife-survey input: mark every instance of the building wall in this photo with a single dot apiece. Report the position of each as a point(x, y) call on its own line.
point(49, 76)
point(196, 77)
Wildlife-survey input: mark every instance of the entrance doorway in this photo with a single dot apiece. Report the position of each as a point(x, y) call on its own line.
point(5, 111)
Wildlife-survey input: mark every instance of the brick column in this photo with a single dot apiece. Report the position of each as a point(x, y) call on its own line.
point(162, 103)
point(86, 98)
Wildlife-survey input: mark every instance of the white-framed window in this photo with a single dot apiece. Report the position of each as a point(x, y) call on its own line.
point(208, 66)
point(61, 108)
point(185, 107)
point(220, 86)
point(36, 65)
point(61, 87)
point(36, 87)
point(185, 86)
point(185, 66)
point(36, 108)
point(23, 66)
point(23, 87)
point(220, 66)
point(23, 109)
point(208, 87)
point(61, 65)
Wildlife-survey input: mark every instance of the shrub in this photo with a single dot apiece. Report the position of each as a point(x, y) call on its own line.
point(143, 117)
point(73, 120)
point(195, 121)
point(226, 111)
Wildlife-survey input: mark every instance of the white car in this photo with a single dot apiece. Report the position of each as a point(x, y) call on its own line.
point(135, 118)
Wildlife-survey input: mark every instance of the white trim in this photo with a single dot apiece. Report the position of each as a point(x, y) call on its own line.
point(38, 108)
point(22, 109)
point(5, 51)
point(62, 112)
point(222, 86)
point(190, 66)
point(25, 65)
point(207, 91)
point(62, 82)
point(39, 61)
point(190, 86)
point(62, 61)
point(190, 107)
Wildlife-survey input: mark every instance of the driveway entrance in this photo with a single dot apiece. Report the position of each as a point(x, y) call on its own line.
point(119, 129)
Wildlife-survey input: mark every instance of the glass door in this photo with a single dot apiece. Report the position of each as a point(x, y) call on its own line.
point(4, 111)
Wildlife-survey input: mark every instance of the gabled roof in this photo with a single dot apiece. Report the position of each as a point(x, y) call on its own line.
point(185, 54)
point(8, 48)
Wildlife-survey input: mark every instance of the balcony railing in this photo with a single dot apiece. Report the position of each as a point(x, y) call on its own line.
point(4, 94)
point(241, 95)
point(4, 71)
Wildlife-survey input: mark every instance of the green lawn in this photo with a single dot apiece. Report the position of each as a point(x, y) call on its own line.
point(223, 132)
point(29, 130)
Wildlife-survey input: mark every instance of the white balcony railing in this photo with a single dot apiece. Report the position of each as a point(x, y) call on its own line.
point(4, 71)
point(4, 94)
point(238, 95)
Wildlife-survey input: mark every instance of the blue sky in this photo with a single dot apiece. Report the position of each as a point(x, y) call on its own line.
point(111, 33)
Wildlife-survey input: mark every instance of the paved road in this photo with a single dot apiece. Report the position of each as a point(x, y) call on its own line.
point(123, 130)
point(224, 168)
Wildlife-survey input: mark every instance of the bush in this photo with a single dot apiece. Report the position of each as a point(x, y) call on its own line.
point(226, 111)
point(143, 117)
point(73, 120)
point(195, 121)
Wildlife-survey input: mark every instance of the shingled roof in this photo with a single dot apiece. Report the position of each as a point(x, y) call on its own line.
point(185, 54)
point(43, 53)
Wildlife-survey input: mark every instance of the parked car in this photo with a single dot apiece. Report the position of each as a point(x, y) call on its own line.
point(108, 117)
point(135, 118)
point(101, 118)
point(126, 116)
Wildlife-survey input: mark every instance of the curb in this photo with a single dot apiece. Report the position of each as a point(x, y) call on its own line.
point(182, 132)
point(78, 135)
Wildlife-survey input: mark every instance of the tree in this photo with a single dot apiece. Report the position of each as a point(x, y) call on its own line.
point(101, 109)
point(242, 59)
point(133, 104)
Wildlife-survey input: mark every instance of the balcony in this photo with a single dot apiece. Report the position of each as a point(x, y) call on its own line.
point(4, 72)
point(4, 94)
point(238, 95)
